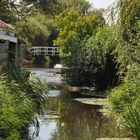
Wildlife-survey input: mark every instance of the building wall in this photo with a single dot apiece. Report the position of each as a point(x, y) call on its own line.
point(8, 45)
point(7, 32)
point(3, 52)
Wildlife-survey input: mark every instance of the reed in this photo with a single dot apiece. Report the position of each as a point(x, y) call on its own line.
point(21, 98)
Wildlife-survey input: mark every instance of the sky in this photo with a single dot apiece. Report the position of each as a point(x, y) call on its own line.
point(101, 3)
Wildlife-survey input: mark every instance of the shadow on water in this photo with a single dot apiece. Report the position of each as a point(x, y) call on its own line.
point(67, 119)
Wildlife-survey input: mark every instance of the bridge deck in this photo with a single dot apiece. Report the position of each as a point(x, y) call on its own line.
point(46, 51)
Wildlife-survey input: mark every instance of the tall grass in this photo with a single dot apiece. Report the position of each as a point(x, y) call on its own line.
point(132, 120)
point(20, 99)
point(125, 101)
point(31, 85)
point(16, 110)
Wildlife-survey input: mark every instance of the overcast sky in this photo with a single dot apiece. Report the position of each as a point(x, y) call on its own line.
point(101, 3)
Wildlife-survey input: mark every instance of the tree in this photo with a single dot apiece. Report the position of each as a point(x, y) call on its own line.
point(129, 20)
point(11, 11)
point(7, 11)
point(34, 30)
point(125, 99)
point(128, 34)
point(74, 29)
point(55, 7)
point(78, 4)
point(49, 7)
point(99, 64)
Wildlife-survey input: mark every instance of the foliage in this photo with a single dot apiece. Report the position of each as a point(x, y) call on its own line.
point(96, 64)
point(48, 7)
point(25, 9)
point(55, 7)
point(20, 99)
point(11, 10)
point(127, 53)
point(125, 98)
point(29, 84)
point(98, 59)
point(78, 28)
point(34, 30)
point(126, 93)
point(16, 109)
point(95, 55)
point(132, 120)
point(129, 20)
point(8, 11)
point(78, 4)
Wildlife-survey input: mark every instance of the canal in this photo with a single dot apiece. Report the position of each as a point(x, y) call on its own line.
point(65, 118)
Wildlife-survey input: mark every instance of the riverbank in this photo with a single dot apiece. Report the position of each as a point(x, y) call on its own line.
point(20, 99)
point(83, 91)
point(56, 81)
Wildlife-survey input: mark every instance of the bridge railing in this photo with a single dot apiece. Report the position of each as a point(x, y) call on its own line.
point(47, 51)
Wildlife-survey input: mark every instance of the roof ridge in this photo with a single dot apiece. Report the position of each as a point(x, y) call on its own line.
point(5, 25)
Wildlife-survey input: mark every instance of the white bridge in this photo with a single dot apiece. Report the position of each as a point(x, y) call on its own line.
point(46, 51)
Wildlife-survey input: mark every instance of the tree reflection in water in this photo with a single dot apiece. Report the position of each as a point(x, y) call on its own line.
point(79, 121)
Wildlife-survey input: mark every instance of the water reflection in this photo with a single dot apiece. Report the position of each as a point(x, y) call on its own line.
point(53, 93)
point(47, 74)
point(67, 119)
point(77, 121)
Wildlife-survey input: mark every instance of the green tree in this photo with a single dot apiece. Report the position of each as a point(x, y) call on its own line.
point(74, 29)
point(129, 20)
point(125, 99)
point(99, 66)
point(34, 30)
point(7, 11)
point(49, 7)
point(11, 11)
point(128, 32)
point(78, 4)
point(55, 7)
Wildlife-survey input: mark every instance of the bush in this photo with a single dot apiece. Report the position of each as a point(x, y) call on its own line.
point(125, 100)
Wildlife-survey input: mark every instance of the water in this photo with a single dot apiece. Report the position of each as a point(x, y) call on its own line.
point(67, 119)
point(46, 74)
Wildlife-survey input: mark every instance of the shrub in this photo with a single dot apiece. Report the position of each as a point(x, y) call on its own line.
point(125, 100)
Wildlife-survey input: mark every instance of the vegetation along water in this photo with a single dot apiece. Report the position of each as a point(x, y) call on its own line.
point(99, 50)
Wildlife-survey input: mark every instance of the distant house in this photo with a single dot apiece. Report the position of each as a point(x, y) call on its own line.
point(8, 43)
